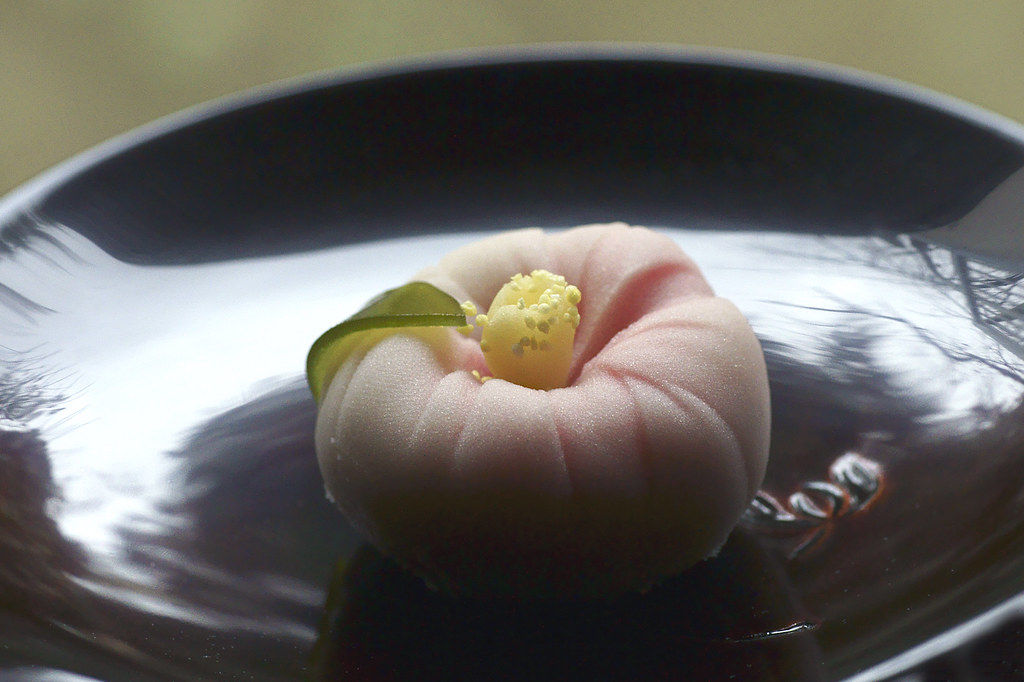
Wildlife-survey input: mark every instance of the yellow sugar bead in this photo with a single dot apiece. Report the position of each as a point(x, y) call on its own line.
point(528, 331)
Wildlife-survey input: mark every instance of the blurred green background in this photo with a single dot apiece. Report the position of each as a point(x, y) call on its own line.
point(76, 72)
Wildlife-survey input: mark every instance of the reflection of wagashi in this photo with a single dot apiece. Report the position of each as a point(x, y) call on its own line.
point(653, 445)
point(735, 616)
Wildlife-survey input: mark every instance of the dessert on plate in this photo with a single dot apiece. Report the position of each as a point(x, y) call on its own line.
point(566, 414)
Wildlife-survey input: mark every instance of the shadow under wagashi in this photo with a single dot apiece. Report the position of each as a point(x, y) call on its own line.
point(732, 615)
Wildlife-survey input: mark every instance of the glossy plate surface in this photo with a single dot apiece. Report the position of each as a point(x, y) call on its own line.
point(161, 512)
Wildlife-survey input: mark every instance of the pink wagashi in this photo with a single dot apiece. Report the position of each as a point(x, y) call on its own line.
point(632, 468)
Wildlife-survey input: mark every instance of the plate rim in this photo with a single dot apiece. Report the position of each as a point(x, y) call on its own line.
point(23, 197)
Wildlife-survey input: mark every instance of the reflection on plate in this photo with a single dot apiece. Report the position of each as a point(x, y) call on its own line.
point(162, 515)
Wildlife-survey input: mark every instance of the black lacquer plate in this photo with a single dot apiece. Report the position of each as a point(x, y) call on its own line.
point(161, 513)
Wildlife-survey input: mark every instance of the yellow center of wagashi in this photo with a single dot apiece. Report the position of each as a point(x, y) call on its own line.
point(527, 334)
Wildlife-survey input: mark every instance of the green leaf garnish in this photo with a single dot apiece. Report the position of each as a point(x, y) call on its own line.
point(416, 304)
